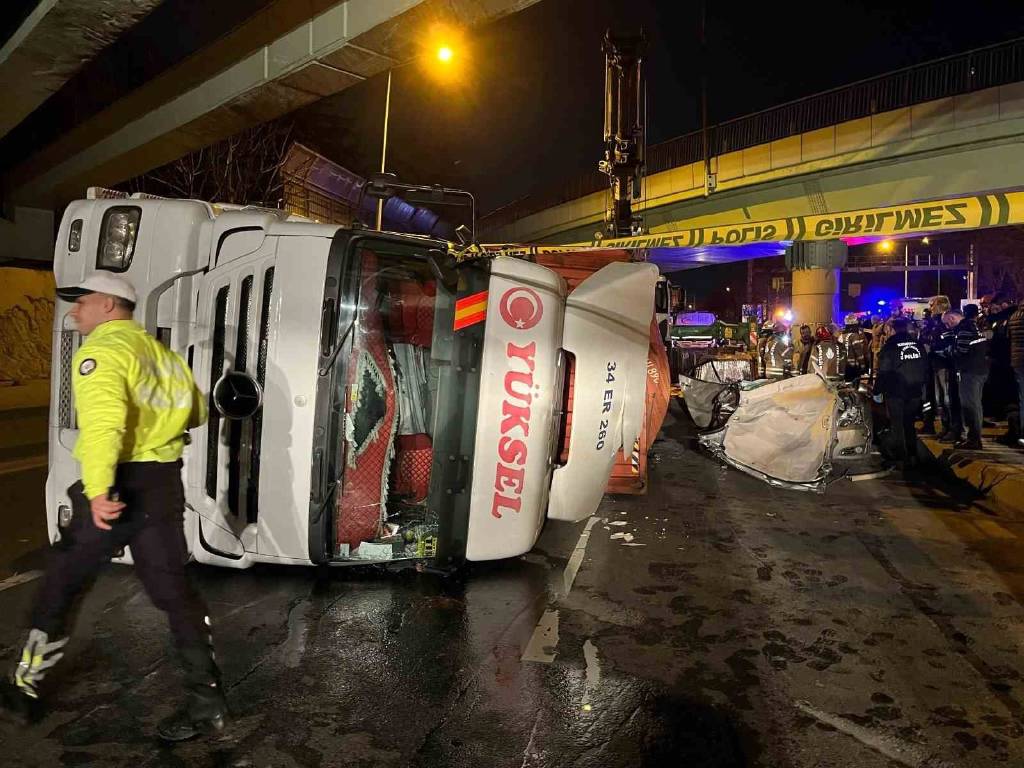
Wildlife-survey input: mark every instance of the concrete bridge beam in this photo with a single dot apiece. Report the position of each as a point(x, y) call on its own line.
point(56, 40)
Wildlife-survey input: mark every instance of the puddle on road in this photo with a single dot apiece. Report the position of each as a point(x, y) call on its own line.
point(593, 673)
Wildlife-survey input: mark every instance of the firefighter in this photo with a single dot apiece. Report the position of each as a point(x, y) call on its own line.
point(857, 345)
point(902, 370)
point(778, 353)
point(135, 400)
point(764, 336)
point(828, 357)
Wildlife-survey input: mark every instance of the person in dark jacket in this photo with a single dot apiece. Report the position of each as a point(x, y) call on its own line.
point(947, 393)
point(902, 370)
point(804, 346)
point(930, 331)
point(970, 355)
point(999, 399)
point(1015, 334)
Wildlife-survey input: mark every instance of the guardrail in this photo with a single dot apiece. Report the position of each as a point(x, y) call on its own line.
point(974, 70)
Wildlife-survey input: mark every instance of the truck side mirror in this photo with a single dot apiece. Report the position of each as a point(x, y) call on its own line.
point(443, 269)
point(237, 395)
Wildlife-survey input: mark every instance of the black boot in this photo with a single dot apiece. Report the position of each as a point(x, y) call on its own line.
point(205, 711)
point(970, 444)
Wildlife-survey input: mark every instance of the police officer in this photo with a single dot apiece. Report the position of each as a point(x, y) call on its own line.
point(902, 370)
point(857, 344)
point(947, 391)
point(135, 400)
point(970, 356)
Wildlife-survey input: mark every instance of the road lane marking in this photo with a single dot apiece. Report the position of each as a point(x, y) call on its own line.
point(903, 752)
point(543, 645)
point(531, 752)
point(19, 578)
point(576, 560)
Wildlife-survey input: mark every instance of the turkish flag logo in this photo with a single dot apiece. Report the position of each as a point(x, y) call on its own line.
point(521, 308)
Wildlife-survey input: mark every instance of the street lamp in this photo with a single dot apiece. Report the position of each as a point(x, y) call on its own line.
point(445, 54)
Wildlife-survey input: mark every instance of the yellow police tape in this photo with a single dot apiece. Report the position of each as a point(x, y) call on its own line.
point(975, 212)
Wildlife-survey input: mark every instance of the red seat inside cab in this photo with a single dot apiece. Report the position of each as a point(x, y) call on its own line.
point(411, 321)
point(411, 315)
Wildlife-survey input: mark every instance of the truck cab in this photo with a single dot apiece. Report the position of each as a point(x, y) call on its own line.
point(372, 398)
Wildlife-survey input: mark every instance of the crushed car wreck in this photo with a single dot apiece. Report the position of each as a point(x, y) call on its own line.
point(798, 433)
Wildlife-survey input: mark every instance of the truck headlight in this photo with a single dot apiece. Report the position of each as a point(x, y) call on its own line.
point(64, 516)
point(118, 231)
point(75, 235)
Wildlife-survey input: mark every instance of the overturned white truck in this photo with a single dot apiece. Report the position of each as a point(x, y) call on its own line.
point(372, 398)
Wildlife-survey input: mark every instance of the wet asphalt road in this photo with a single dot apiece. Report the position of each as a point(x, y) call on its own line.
point(877, 625)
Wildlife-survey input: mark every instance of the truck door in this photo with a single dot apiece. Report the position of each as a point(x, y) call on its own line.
point(231, 336)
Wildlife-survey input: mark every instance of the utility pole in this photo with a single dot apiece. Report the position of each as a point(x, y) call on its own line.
point(384, 150)
point(709, 184)
point(623, 131)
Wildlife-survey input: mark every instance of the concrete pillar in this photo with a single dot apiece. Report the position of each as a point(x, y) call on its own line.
point(815, 296)
point(816, 268)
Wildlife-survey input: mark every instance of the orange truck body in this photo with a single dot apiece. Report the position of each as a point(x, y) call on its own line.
point(629, 474)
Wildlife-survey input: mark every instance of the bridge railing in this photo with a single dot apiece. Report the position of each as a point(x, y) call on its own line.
point(975, 70)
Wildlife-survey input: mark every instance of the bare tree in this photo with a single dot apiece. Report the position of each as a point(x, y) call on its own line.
point(244, 168)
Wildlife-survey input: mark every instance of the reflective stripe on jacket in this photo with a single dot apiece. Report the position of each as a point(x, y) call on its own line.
point(970, 351)
point(134, 398)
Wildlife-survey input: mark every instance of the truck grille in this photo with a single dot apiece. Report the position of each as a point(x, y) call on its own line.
point(220, 315)
point(235, 430)
point(252, 492)
point(65, 404)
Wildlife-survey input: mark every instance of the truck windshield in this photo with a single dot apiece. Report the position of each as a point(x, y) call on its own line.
point(403, 389)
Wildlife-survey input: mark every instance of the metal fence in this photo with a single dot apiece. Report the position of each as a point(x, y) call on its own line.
point(954, 75)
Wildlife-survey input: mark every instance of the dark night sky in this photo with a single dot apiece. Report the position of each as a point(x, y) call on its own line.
point(528, 111)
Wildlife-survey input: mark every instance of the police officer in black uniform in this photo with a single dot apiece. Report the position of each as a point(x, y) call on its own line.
point(902, 370)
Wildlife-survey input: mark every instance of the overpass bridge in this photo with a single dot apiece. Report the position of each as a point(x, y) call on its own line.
point(98, 91)
point(929, 147)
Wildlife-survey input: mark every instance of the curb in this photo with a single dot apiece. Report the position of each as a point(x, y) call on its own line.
point(997, 472)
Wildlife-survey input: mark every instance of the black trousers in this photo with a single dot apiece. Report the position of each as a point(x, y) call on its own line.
point(971, 386)
point(928, 416)
point(902, 413)
point(152, 525)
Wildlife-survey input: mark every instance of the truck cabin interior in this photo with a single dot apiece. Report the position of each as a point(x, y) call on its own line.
point(387, 398)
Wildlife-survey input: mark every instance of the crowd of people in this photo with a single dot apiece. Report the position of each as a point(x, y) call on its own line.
point(955, 366)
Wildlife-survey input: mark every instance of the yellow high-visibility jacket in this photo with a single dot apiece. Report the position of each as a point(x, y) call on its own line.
point(134, 398)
